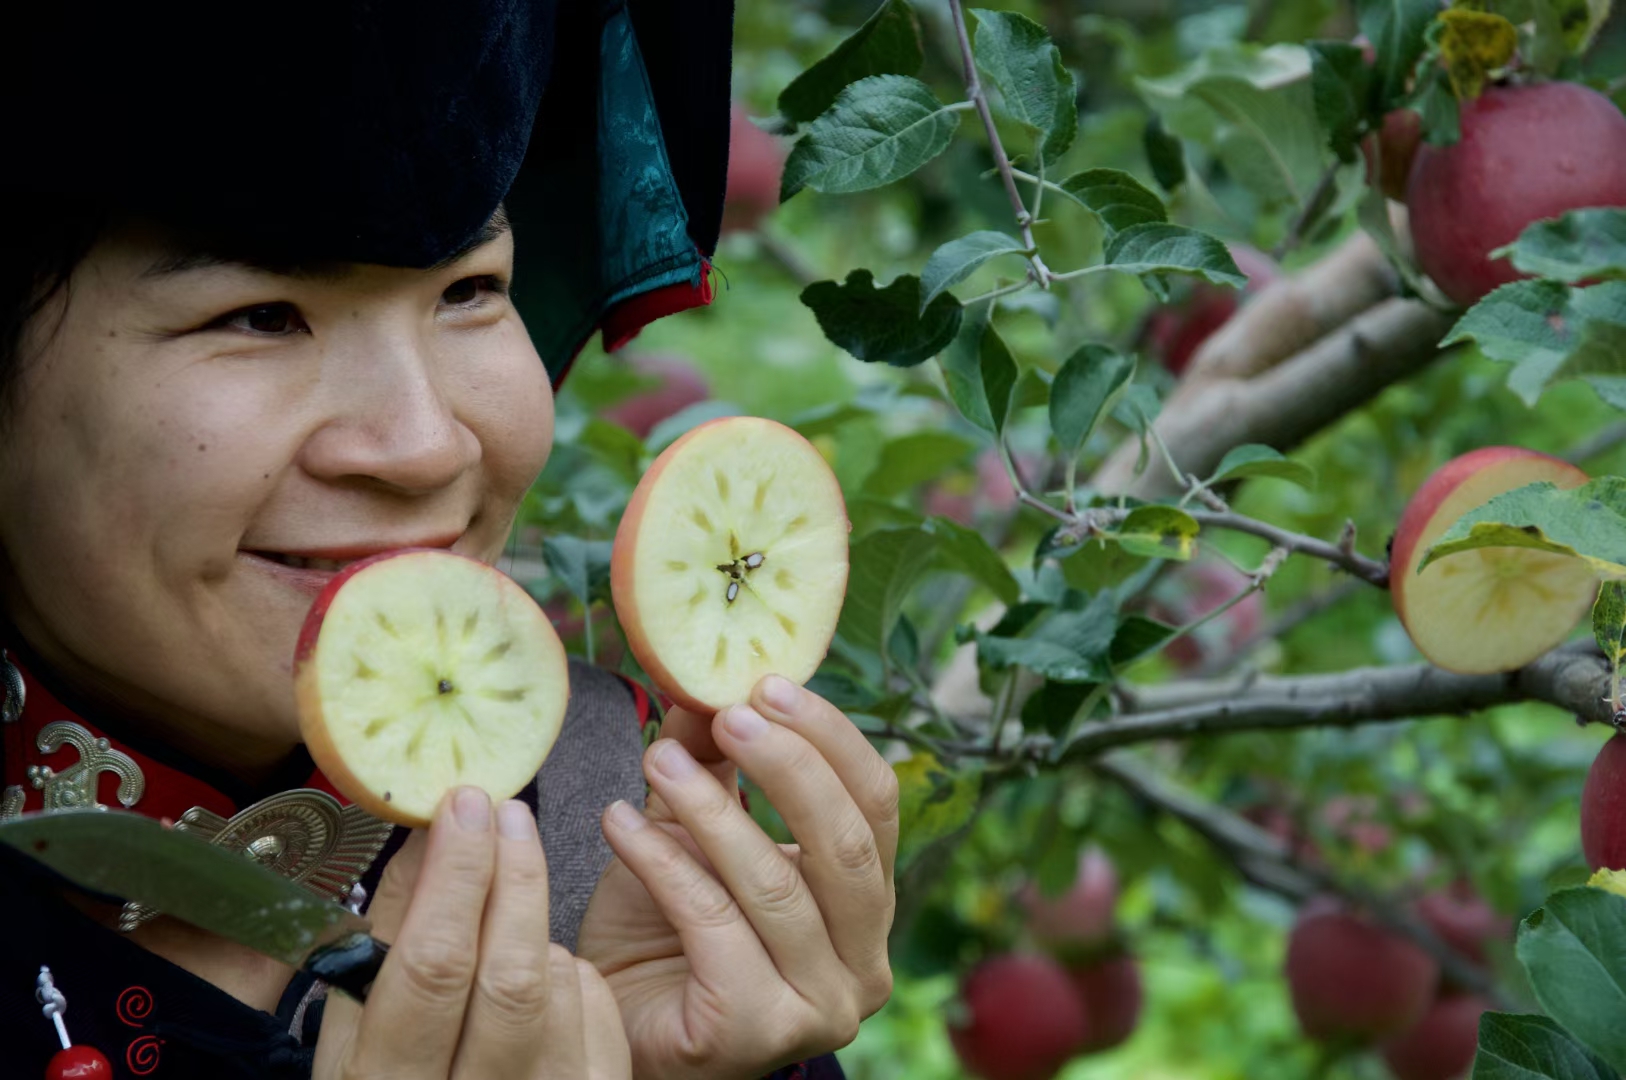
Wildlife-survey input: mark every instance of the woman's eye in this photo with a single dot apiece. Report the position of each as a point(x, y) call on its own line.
point(272, 319)
point(473, 290)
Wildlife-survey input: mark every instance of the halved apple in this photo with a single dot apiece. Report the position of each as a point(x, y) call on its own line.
point(1492, 609)
point(730, 562)
point(418, 671)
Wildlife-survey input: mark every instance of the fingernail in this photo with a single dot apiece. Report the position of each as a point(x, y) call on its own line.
point(514, 820)
point(744, 722)
point(472, 808)
point(780, 694)
point(625, 817)
point(672, 760)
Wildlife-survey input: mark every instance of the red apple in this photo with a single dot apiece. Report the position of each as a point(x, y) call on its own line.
point(1081, 918)
point(1193, 591)
point(1174, 332)
point(1603, 808)
point(419, 670)
point(1112, 995)
point(1390, 151)
point(678, 384)
point(1353, 981)
point(1493, 609)
point(1442, 1045)
point(755, 162)
point(1023, 1019)
point(1464, 920)
point(1526, 153)
point(730, 562)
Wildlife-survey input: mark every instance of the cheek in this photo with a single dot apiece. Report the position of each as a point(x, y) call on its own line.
point(513, 416)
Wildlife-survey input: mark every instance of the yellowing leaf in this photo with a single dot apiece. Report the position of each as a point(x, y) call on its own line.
point(1474, 44)
point(933, 801)
point(1609, 880)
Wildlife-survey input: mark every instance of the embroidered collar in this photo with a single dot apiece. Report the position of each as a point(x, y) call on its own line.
point(58, 756)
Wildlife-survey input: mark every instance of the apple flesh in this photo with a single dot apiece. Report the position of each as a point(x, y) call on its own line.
point(1603, 808)
point(1352, 981)
point(418, 671)
point(1080, 919)
point(1023, 1019)
point(678, 384)
point(1526, 153)
point(730, 562)
point(1492, 609)
point(1113, 996)
point(1442, 1045)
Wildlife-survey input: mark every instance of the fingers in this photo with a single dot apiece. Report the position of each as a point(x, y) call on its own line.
point(414, 1015)
point(693, 730)
point(840, 859)
point(560, 1024)
point(864, 773)
point(608, 1055)
point(512, 1021)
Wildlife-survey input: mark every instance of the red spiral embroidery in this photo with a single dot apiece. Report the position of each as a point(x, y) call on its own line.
point(134, 1006)
point(141, 1057)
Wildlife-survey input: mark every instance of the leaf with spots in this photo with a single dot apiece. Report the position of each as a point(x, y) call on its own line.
point(934, 800)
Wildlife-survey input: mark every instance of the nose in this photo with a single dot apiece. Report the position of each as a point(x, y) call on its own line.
point(390, 418)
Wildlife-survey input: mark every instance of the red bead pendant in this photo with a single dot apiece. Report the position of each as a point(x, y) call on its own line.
point(79, 1063)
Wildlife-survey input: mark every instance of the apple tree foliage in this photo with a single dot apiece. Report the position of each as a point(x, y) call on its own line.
point(980, 209)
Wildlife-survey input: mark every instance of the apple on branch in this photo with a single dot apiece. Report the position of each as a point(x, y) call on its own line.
point(1490, 609)
point(1081, 919)
point(418, 671)
point(1112, 995)
point(1603, 808)
point(1443, 1043)
point(1526, 153)
point(1174, 332)
point(1352, 981)
point(730, 562)
point(755, 162)
point(1021, 1019)
point(677, 385)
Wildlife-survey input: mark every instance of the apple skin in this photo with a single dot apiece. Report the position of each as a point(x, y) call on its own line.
point(756, 161)
point(1526, 153)
point(1464, 920)
point(1442, 1045)
point(679, 385)
point(1175, 331)
point(1113, 997)
point(1082, 917)
point(1394, 146)
point(621, 565)
point(1418, 528)
point(1603, 808)
point(1024, 1019)
point(1352, 981)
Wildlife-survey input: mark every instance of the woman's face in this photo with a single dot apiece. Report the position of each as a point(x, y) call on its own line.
point(199, 445)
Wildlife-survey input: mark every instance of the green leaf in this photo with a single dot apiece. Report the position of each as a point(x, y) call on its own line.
point(1138, 636)
point(1070, 645)
point(1396, 28)
point(1340, 81)
point(883, 567)
point(1138, 408)
point(1521, 1047)
point(1574, 949)
point(1051, 709)
point(880, 130)
point(1019, 59)
point(1087, 384)
point(1164, 155)
point(913, 459)
point(883, 326)
point(1249, 460)
point(582, 566)
point(1581, 245)
point(1157, 532)
point(1116, 198)
point(971, 553)
point(1548, 330)
point(887, 44)
point(959, 259)
point(1609, 621)
point(1587, 522)
point(933, 801)
point(1156, 248)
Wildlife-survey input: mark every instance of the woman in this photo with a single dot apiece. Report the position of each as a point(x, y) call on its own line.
point(254, 324)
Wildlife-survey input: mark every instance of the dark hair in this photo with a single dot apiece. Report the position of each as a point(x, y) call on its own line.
point(43, 245)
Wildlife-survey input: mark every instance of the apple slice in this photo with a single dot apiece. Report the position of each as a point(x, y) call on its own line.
point(730, 562)
point(1493, 609)
point(418, 671)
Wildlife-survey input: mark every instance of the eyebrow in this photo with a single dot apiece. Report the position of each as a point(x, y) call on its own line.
point(181, 261)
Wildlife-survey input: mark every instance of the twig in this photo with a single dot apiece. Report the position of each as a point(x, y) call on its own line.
point(790, 259)
point(1272, 863)
point(974, 91)
point(1004, 290)
point(1312, 209)
point(1296, 615)
point(1598, 444)
point(1343, 556)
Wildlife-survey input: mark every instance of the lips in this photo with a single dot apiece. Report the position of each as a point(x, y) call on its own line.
point(326, 561)
point(301, 563)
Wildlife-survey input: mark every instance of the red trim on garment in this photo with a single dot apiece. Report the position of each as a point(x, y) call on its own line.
point(169, 792)
point(623, 322)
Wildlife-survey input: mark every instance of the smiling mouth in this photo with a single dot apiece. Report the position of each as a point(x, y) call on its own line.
point(299, 562)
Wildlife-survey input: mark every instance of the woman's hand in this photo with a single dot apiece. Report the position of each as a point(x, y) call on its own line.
point(730, 955)
point(472, 989)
